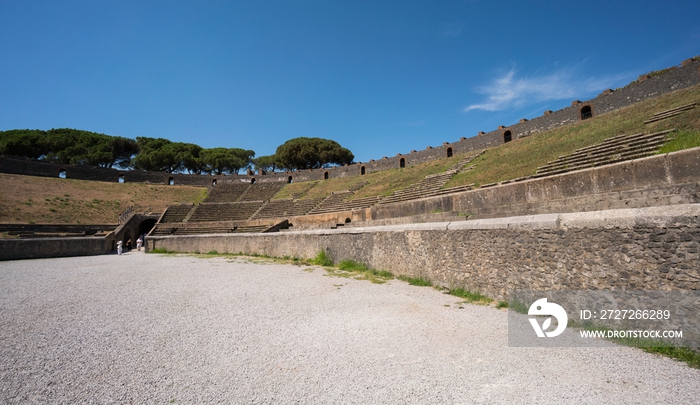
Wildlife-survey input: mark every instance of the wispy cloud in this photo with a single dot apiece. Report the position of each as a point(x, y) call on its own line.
point(451, 30)
point(511, 90)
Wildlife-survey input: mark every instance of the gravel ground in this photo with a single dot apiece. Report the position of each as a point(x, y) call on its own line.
point(143, 328)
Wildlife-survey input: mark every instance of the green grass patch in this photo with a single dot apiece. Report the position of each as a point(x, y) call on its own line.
point(471, 297)
point(417, 281)
point(684, 354)
point(502, 304)
point(322, 259)
point(681, 140)
point(359, 271)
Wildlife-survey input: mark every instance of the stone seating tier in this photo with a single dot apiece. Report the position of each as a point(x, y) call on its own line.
point(211, 212)
point(616, 149)
point(176, 213)
point(286, 208)
point(261, 191)
point(670, 113)
point(226, 192)
point(427, 187)
point(347, 205)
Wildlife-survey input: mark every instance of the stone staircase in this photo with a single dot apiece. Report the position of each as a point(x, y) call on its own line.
point(340, 202)
point(432, 185)
point(176, 213)
point(305, 190)
point(213, 212)
point(330, 203)
point(274, 209)
point(261, 191)
point(337, 201)
point(612, 150)
point(226, 192)
point(670, 113)
point(302, 207)
point(286, 208)
point(427, 187)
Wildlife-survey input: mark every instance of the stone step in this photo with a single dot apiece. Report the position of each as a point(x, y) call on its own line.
point(601, 157)
point(629, 140)
point(670, 113)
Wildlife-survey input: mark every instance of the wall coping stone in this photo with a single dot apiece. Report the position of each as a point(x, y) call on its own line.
point(630, 217)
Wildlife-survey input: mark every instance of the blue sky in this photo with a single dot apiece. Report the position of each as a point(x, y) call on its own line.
point(379, 77)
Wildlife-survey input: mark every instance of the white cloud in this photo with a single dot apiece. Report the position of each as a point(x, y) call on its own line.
point(451, 30)
point(512, 91)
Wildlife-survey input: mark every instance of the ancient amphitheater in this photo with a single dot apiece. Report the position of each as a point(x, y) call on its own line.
point(607, 203)
point(615, 214)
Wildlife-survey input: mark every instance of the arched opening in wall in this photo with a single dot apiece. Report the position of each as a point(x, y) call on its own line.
point(146, 225)
point(348, 220)
point(252, 181)
point(62, 174)
point(362, 171)
point(121, 178)
point(402, 162)
point(448, 152)
point(289, 180)
point(171, 181)
point(213, 182)
point(507, 136)
point(325, 175)
point(586, 112)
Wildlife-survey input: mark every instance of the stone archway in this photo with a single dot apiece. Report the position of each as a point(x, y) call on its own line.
point(448, 152)
point(586, 112)
point(402, 162)
point(507, 136)
point(145, 226)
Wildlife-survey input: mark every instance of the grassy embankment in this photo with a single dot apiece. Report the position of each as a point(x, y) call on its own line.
point(522, 157)
point(45, 200)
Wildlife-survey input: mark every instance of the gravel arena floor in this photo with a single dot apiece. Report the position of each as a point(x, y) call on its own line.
point(147, 328)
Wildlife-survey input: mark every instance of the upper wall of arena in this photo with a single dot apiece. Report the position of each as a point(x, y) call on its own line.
point(686, 75)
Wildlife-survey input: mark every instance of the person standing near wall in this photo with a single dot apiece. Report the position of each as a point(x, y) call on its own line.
point(119, 247)
point(139, 242)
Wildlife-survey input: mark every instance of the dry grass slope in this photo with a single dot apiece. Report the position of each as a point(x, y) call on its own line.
point(42, 200)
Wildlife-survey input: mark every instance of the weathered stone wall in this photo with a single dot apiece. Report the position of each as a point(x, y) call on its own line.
point(648, 248)
point(15, 249)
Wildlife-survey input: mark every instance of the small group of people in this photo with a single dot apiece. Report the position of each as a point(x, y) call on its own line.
point(139, 243)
